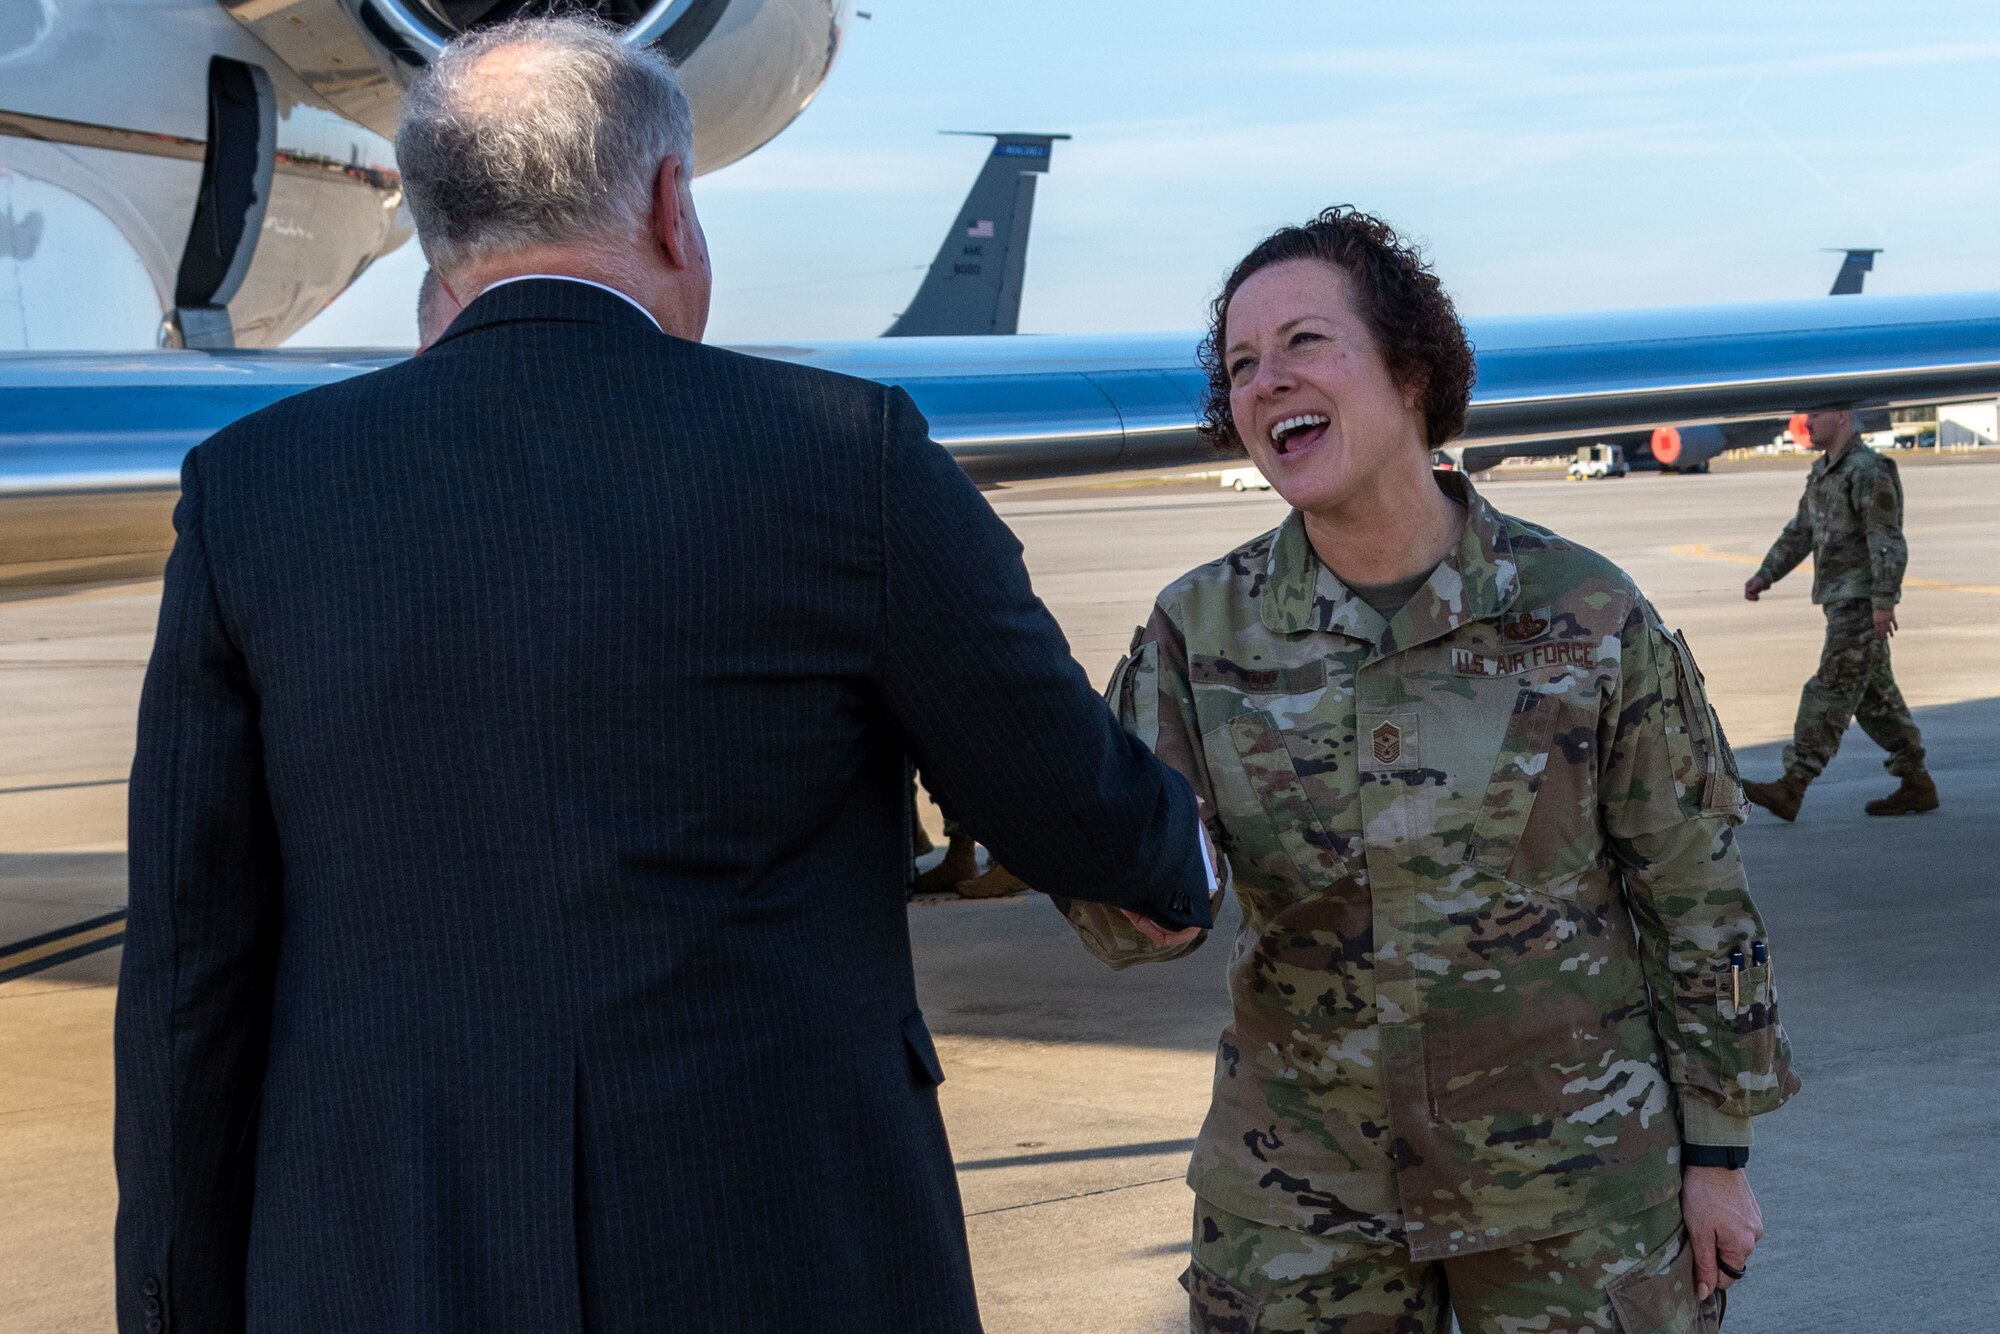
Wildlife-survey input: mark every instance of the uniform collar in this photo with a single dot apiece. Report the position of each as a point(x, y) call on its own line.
point(1823, 465)
point(1478, 580)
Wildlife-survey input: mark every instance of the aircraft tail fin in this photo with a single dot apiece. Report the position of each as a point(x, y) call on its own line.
point(1853, 269)
point(974, 284)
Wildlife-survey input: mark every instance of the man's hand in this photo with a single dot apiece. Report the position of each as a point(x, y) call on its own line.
point(1723, 1223)
point(1158, 934)
point(1753, 586)
point(1885, 623)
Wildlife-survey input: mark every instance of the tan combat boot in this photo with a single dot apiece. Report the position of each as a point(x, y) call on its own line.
point(961, 862)
point(1918, 793)
point(996, 883)
point(1781, 798)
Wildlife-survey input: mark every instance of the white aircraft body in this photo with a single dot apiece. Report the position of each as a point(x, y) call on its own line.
point(212, 173)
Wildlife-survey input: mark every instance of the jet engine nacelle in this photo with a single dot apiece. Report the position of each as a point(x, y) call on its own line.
point(749, 66)
point(1688, 448)
point(213, 176)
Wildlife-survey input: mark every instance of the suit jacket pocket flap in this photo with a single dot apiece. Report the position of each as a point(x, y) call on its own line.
point(922, 1050)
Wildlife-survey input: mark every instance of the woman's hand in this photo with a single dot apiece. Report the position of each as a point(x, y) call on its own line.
point(1723, 1223)
point(1158, 934)
point(1151, 929)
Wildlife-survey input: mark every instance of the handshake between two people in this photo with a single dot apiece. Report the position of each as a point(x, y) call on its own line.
point(1167, 938)
point(1160, 935)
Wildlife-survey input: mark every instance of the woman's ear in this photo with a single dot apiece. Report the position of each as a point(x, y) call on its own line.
point(1415, 385)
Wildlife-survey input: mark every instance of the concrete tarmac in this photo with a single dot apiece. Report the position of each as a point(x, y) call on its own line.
point(1073, 1093)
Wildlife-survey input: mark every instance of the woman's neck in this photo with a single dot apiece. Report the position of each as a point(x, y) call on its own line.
point(1395, 528)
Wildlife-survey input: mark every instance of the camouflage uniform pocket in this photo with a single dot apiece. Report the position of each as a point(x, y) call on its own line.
point(1217, 1306)
point(1731, 1018)
point(1270, 820)
point(1517, 777)
point(1744, 1029)
point(1656, 1296)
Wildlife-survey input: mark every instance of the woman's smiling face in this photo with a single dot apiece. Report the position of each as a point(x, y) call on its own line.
point(1310, 395)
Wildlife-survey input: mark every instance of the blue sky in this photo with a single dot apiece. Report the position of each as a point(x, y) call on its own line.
point(1552, 156)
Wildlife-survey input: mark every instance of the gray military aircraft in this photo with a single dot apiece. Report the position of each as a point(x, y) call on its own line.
point(182, 186)
point(1854, 267)
point(974, 284)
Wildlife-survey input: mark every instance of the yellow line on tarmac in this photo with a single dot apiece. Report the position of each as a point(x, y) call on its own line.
point(57, 946)
point(1703, 551)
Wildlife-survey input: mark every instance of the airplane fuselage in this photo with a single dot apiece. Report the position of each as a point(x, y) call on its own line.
point(215, 172)
point(102, 143)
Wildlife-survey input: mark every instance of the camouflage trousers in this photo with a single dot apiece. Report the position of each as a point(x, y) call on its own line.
point(1634, 1276)
point(1854, 682)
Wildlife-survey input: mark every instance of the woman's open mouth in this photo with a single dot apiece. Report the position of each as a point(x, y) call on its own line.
point(1297, 434)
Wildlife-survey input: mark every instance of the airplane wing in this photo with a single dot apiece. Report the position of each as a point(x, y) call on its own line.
point(1037, 406)
point(90, 444)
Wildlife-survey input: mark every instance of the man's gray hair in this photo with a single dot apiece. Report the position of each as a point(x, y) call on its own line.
point(560, 148)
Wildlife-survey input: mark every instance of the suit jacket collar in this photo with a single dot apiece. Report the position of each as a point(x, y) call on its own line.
point(547, 300)
point(1477, 580)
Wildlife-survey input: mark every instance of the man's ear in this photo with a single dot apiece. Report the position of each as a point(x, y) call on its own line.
point(670, 232)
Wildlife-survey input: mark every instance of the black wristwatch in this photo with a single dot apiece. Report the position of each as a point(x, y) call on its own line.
point(1732, 1156)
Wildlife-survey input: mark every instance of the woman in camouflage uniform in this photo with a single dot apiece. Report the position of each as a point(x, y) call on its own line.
point(1499, 980)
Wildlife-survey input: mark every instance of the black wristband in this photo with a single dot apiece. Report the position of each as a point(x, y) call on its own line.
point(1733, 1156)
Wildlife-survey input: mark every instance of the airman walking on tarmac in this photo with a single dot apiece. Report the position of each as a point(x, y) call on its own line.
point(1850, 521)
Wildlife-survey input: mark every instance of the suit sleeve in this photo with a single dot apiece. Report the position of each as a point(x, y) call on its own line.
point(1881, 504)
point(1670, 804)
point(194, 990)
point(999, 717)
point(1149, 691)
point(1794, 544)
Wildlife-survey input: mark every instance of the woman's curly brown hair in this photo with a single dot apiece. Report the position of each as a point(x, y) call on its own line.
point(1395, 294)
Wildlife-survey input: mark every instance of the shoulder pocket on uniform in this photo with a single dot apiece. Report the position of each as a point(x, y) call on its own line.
point(1703, 762)
point(1134, 693)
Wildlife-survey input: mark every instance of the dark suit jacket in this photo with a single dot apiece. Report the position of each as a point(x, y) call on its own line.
point(519, 841)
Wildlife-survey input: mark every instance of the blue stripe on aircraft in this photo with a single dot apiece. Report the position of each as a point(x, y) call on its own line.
point(1006, 404)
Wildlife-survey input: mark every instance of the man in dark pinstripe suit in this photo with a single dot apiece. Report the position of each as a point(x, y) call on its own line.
point(518, 823)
